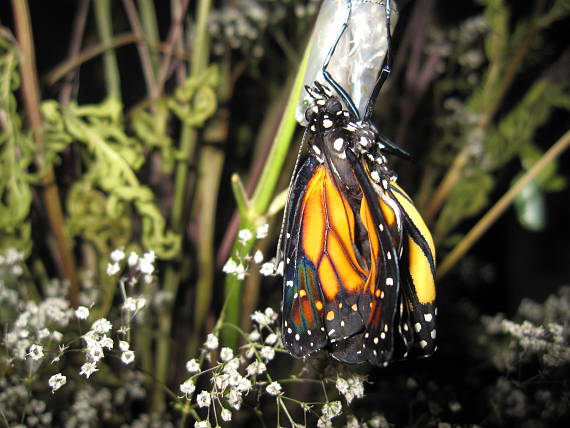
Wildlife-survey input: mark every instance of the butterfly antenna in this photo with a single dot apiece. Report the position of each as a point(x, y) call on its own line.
point(386, 69)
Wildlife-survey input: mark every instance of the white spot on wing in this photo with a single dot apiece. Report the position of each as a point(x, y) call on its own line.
point(338, 144)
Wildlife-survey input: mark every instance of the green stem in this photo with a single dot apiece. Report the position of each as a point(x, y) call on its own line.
point(150, 29)
point(187, 145)
point(262, 196)
point(103, 17)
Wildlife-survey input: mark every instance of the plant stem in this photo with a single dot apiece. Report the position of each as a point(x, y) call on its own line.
point(150, 29)
point(187, 147)
point(501, 205)
point(262, 197)
point(31, 97)
point(104, 21)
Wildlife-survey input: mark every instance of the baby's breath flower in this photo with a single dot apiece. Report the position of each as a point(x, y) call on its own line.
point(231, 365)
point(212, 341)
point(257, 367)
point(101, 326)
point(193, 366)
point(258, 257)
point(36, 352)
point(106, 342)
point(187, 388)
point(113, 268)
point(226, 354)
point(133, 259)
point(267, 352)
point(254, 336)
point(88, 369)
point(145, 266)
point(240, 272)
point(149, 256)
point(117, 255)
point(203, 399)
point(226, 415)
point(82, 312)
point(202, 424)
point(95, 351)
point(124, 346)
point(244, 236)
point(230, 266)
point(270, 314)
point(274, 388)
point(235, 399)
point(56, 382)
point(261, 231)
point(271, 339)
point(260, 318)
point(128, 357)
point(351, 388)
point(43, 333)
point(266, 269)
point(57, 336)
point(331, 409)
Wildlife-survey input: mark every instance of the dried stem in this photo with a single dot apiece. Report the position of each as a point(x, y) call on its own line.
point(501, 205)
point(31, 97)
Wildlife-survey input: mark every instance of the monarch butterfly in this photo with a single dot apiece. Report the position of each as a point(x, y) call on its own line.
point(359, 261)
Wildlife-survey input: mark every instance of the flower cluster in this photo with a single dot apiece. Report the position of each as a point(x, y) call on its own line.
point(239, 265)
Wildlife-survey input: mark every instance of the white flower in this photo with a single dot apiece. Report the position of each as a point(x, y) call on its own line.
point(235, 399)
point(232, 365)
point(101, 326)
point(95, 351)
point(36, 352)
point(57, 336)
point(117, 255)
point(193, 366)
point(271, 314)
point(274, 388)
point(240, 272)
point(258, 257)
point(88, 369)
point(244, 236)
point(113, 268)
point(257, 367)
point(43, 333)
point(271, 339)
point(261, 231)
point(145, 266)
point(82, 312)
point(187, 388)
point(149, 256)
point(332, 409)
point(56, 382)
point(124, 346)
point(266, 269)
point(267, 352)
point(254, 336)
point(260, 318)
point(128, 357)
point(226, 354)
point(212, 341)
point(351, 388)
point(203, 399)
point(106, 342)
point(202, 424)
point(133, 259)
point(230, 266)
point(226, 415)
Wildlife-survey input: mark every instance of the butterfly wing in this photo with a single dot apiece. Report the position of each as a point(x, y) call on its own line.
point(418, 311)
point(302, 325)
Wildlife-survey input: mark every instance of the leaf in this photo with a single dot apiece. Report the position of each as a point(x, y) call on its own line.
point(530, 206)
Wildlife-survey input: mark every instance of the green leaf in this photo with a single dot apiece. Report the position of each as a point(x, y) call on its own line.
point(530, 206)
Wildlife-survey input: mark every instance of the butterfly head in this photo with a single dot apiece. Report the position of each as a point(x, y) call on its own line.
point(326, 111)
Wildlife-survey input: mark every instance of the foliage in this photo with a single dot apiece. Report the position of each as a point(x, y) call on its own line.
point(162, 334)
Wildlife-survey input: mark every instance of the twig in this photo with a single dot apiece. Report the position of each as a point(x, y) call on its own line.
point(501, 205)
point(74, 49)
